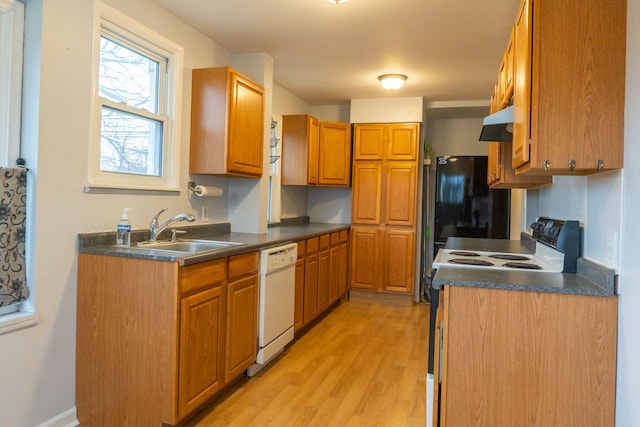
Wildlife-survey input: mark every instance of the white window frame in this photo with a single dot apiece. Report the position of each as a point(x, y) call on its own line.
point(11, 64)
point(111, 21)
point(11, 56)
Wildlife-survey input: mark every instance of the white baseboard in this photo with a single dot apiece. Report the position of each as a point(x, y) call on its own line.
point(66, 419)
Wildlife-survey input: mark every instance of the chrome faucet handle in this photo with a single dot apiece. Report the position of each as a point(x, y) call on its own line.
point(175, 232)
point(154, 220)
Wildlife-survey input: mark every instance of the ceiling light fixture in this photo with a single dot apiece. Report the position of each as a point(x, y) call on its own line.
point(392, 81)
point(337, 1)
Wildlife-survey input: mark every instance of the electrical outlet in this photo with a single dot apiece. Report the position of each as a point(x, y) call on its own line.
point(205, 214)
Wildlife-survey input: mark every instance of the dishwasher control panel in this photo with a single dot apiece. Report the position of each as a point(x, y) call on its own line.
point(278, 257)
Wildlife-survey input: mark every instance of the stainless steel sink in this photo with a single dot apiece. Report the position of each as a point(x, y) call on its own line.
point(190, 246)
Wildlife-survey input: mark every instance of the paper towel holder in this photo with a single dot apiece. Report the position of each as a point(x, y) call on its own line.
point(191, 185)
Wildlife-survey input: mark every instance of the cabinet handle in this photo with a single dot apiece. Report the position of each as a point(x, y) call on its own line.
point(572, 165)
point(546, 165)
point(599, 164)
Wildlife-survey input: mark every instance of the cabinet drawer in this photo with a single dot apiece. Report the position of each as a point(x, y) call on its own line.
point(242, 265)
point(312, 245)
point(324, 241)
point(197, 276)
point(344, 236)
point(301, 249)
point(335, 238)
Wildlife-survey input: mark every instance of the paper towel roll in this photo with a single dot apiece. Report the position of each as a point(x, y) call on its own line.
point(207, 191)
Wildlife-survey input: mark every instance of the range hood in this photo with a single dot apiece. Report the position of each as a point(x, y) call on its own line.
point(498, 127)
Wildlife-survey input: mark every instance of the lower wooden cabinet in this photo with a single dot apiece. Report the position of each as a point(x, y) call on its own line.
point(518, 358)
point(321, 274)
point(242, 314)
point(382, 259)
point(299, 297)
point(201, 372)
point(163, 336)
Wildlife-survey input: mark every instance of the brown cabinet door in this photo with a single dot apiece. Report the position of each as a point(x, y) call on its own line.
point(323, 279)
point(399, 260)
point(310, 307)
point(400, 193)
point(313, 146)
point(522, 85)
point(246, 127)
point(367, 193)
point(334, 154)
point(365, 257)
point(241, 325)
point(299, 299)
point(343, 268)
point(202, 332)
point(368, 142)
point(403, 141)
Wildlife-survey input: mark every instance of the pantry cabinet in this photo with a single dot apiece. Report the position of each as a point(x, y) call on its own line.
point(227, 123)
point(569, 85)
point(524, 358)
point(315, 152)
point(383, 213)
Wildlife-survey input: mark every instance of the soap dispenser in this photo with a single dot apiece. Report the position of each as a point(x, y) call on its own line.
point(123, 237)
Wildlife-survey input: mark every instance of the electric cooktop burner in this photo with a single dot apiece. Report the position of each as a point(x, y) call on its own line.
point(464, 253)
point(524, 265)
point(470, 261)
point(510, 257)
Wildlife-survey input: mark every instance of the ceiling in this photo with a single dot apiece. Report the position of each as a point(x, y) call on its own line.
point(327, 53)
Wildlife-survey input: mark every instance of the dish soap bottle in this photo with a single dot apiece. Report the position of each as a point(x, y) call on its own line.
point(123, 237)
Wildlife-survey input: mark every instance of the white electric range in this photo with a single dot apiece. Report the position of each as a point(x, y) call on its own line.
point(557, 248)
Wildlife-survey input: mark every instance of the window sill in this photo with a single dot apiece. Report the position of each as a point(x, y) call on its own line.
point(19, 320)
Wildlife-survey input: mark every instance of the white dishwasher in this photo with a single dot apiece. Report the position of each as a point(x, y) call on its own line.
point(277, 300)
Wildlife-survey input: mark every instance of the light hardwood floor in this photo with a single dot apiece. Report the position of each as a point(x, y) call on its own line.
point(362, 365)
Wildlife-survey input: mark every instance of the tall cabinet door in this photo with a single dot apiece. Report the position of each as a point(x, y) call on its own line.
point(314, 142)
point(367, 193)
point(400, 193)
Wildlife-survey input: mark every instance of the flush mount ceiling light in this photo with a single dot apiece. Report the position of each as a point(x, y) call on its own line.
point(337, 1)
point(392, 81)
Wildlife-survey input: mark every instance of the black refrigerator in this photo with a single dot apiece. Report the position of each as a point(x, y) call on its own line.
point(464, 204)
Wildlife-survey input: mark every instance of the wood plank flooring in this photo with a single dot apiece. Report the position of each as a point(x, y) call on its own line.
point(362, 365)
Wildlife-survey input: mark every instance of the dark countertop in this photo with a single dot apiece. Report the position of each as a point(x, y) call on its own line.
point(591, 279)
point(104, 243)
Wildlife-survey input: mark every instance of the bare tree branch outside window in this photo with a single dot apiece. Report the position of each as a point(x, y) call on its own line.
point(132, 138)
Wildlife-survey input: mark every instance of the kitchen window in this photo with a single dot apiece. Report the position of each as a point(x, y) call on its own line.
point(135, 120)
point(11, 36)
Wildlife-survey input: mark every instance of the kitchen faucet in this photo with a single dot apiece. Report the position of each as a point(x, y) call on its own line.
point(156, 229)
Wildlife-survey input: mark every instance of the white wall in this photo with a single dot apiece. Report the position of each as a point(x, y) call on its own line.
point(628, 389)
point(38, 382)
point(452, 136)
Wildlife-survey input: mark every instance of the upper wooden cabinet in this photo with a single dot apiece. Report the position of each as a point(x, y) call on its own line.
point(315, 152)
point(227, 123)
point(569, 83)
point(395, 141)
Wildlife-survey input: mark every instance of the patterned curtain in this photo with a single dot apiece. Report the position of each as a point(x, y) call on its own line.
point(13, 212)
